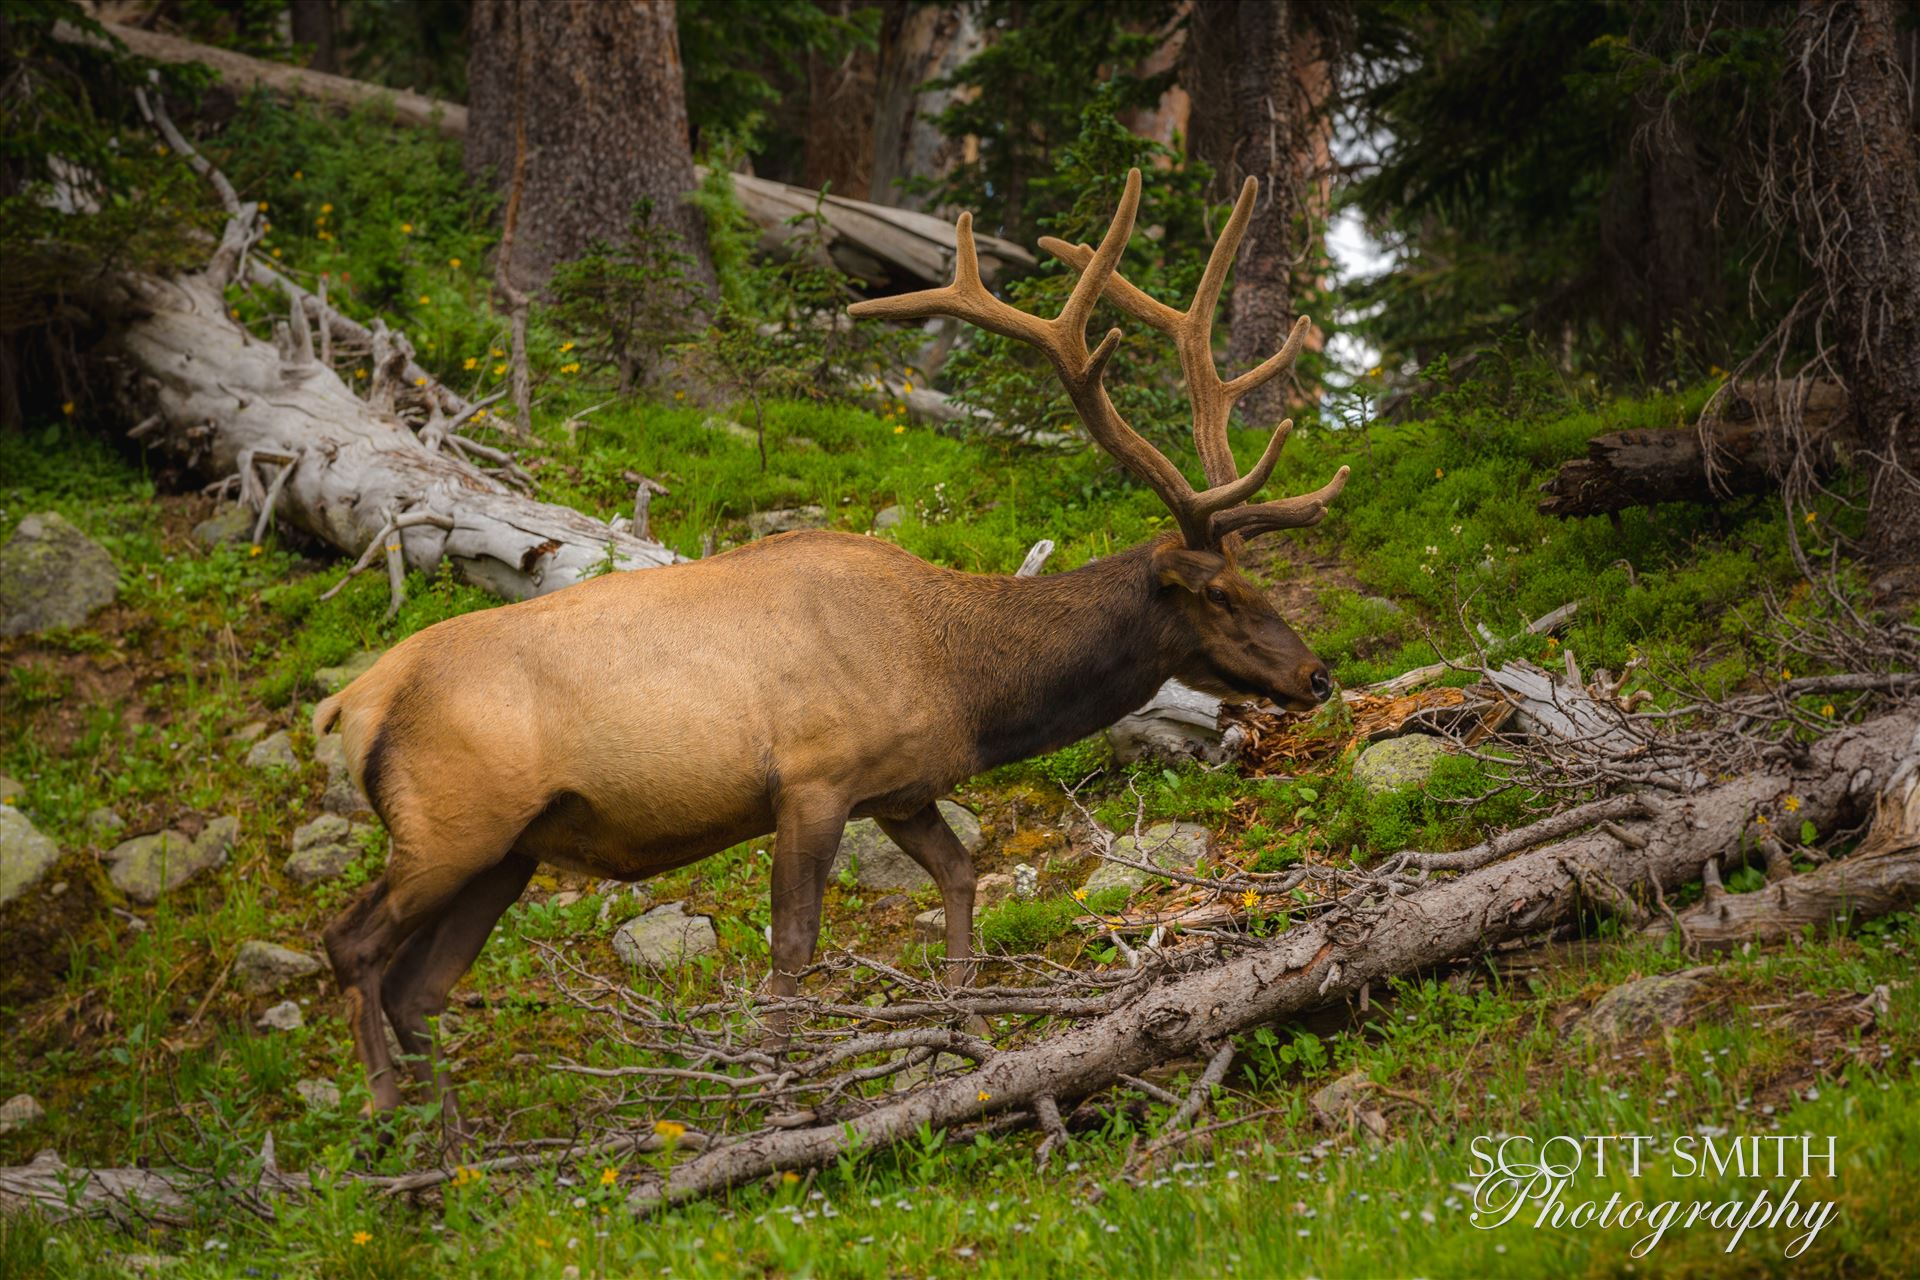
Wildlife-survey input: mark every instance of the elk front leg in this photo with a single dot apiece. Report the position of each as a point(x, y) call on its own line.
point(929, 841)
point(808, 833)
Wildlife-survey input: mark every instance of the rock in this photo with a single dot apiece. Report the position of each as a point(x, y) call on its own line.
point(334, 679)
point(992, 889)
point(1026, 881)
point(275, 751)
point(728, 427)
point(786, 520)
point(285, 1016)
point(52, 575)
point(103, 822)
point(12, 791)
point(25, 854)
point(930, 926)
point(1645, 1006)
point(889, 517)
point(665, 935)
point(881, 864)
point(232, 524)
point(322, 849)
point(247, 732)
point(319, 1095)
point(1168, 845)
point(21, 1111)
point(341, 796)
point(1397, 763)
point(330, 752)
point(146, 867)
point(565, 898)
point(261, 967)
point(891, 902)
point(1381, 607)
point(1334, 1101)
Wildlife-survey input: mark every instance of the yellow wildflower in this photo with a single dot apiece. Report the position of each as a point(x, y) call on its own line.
point(1786, 674)
point(419, 382)
point(983, 1096)
point(297, 175)
point(326, 208)
point(1761, 818)
point(406, 228)
point(263, 206)
point(67, 408)
point(908, 386)
point(1791, 804)
point(454, 263)
point(425, 301)
point(1552, 643)
point(789, 1177)
point(255, 549)
point(359, 373)
point(1249, 899)
point(498, 352)
point(479, 413)
point(1812, 516)
point(1079, 895)
point(499, 369)
point(362, 1238)
point(565, 347)
point(471, 362)
point(234, 312)
point(1374, 372)
point(276, 253)
point(1826, 708)
point(326, 235)
point(899, 431)
point(671, 1130)
point(679, 395)
point(570, 367)
point(609, 1176)
point(1438, 472)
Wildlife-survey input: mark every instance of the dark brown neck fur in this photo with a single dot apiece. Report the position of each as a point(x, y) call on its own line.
point(1042, 662)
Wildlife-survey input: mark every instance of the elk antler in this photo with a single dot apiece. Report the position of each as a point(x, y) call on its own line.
point(1063, 341)
point(1212, 399)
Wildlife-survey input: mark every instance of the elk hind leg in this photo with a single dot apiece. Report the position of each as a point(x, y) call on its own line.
point(929, 841)
point(423, 972)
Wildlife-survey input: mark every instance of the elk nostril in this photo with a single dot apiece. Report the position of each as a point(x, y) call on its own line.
point(1322, 684)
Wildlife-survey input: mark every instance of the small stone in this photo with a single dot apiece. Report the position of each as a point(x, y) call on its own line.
point(319, 1095)
point(234, 524)
point(275, 751)
point(1026, 881)
point(25, 854)
point(891, 902)
point(261, 967)
point(930, 926)
point(342, 796)
point(786, 520)
point(285, 1016)
point(1398, 763)
point(52, 575)
point(12, 790)
point(1167, 845)
point(247, 732)
point(1333, 1102)
point(565, 898)
point(880, 864)
point(1646, 1006)
point(21, 1111)
point(889, 517)
point(992, 889)
point(728, 427)
point(146, 867)
point(322, 849)
point(334, 679)
point(665, 935)
point(103, 822)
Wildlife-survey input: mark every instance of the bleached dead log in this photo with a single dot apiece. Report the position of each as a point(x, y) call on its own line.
point(1180, 723)
point(1331, 960)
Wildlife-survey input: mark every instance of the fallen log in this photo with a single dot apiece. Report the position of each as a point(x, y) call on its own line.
point(1332, 959)
point(1737, 448)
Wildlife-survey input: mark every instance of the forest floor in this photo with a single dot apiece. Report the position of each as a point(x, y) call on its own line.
point(142, 1048)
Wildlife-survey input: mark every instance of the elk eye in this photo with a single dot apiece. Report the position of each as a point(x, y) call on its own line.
point(1216, 595)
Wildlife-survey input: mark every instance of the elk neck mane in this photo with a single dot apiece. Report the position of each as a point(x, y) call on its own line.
point(1042, 662)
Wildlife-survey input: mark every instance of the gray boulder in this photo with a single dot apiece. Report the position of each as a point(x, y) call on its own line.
point(21, 1111)
point(322, 849)
point(275, 751)
point(786, 520)
point(728, 427)
point(1398, 763)
point(1167, 845)
point(889, 517)
point(232, 524)
point(146, 867)
point(285, 1016)
point(261, 967)
point(319, 1095)
point(25, 854)
point(930, 926)
point(881, 865)
point(103, 822)
point(1646, 1006)
point(341, 796)
point(52, 575)
point(665, 935)
point(334, 679)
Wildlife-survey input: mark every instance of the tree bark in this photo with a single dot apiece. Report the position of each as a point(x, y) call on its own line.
point(1248, 120)
point(918, 43)
point(312, 22)
point(841, 96)
point(606, 123)
point(1859, 224)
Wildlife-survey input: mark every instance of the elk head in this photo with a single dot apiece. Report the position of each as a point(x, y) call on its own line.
point(1227, 638)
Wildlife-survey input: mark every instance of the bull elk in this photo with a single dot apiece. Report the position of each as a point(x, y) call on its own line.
point(641, 721)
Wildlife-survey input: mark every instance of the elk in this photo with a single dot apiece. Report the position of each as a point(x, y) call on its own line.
point(641, 721)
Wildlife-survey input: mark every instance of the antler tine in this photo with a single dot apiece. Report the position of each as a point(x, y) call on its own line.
point(1206, 296)
point(1283, 513)
point(1105, 264)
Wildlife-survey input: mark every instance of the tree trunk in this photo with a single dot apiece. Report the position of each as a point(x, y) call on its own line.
point(840, 109)
point(606, 123)
point(918, 43)
point(1247, 121)
point(1859, 224)
point(312, 22)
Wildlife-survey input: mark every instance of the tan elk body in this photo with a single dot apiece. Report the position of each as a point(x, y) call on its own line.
point(641, 721)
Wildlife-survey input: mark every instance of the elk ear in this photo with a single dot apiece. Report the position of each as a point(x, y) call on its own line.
point(1178, 566)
